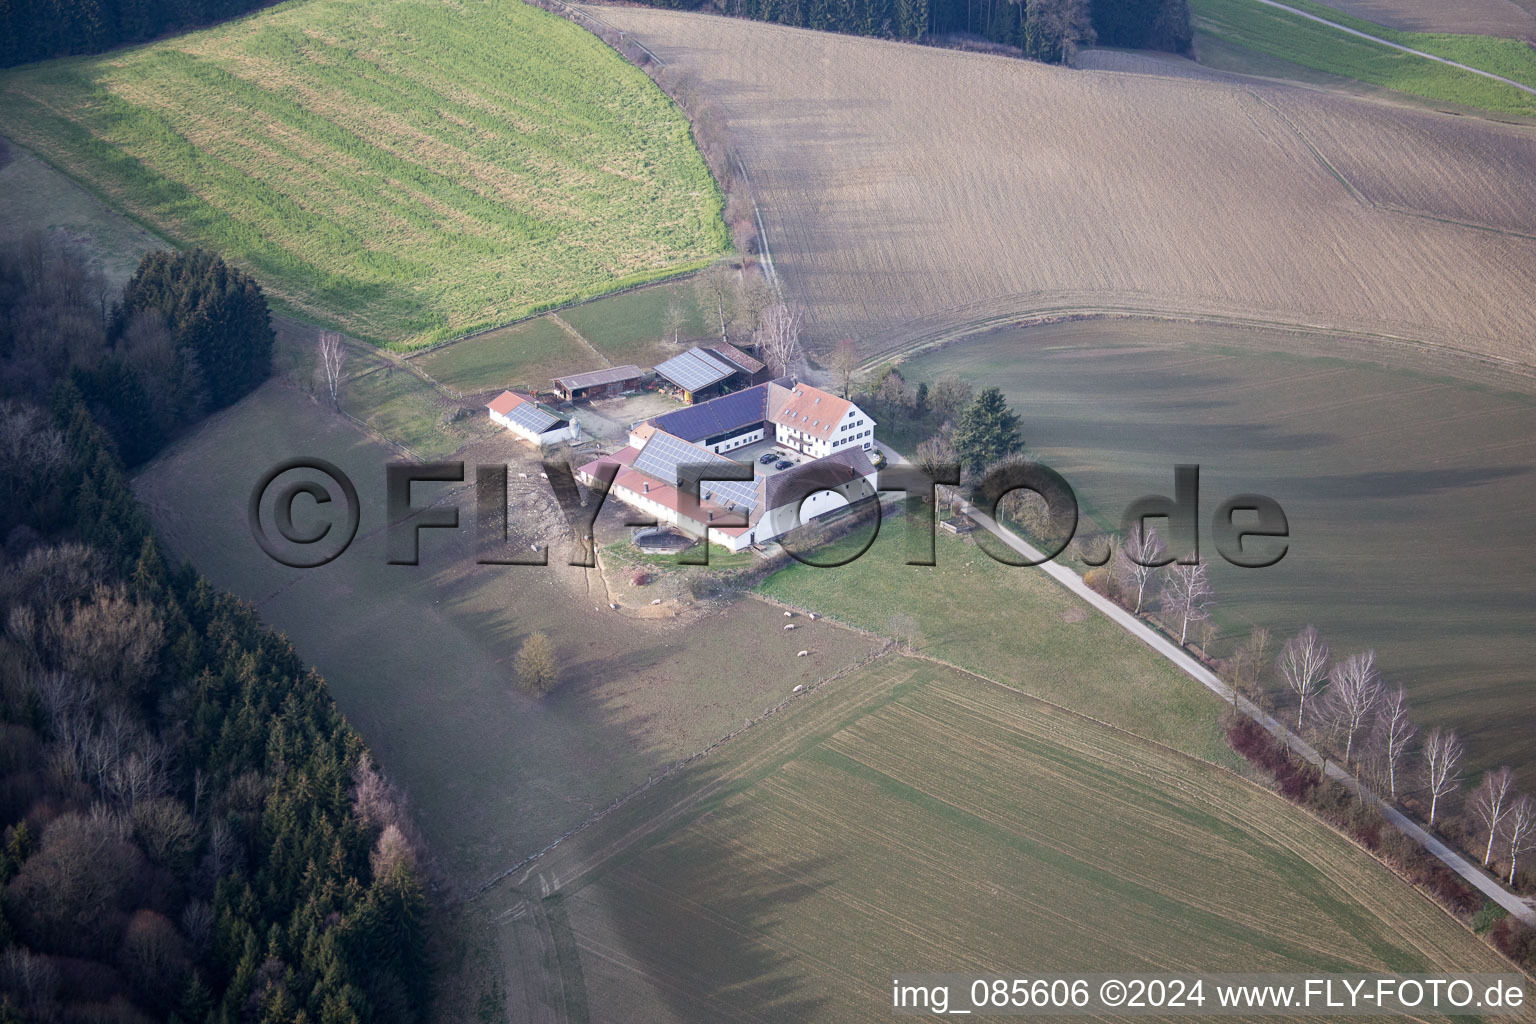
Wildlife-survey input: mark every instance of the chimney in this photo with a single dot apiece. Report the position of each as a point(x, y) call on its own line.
point(711, 517)
point(647, 486)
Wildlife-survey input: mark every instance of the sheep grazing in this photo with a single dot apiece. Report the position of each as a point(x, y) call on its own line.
point(802, 654)
point(790, 626)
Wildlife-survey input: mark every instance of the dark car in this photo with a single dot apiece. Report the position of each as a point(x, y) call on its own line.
point(771, 456)
point(782, 464)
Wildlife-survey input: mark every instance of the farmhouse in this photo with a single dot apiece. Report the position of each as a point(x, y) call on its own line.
point(798, 416)
point(599, 383)
point(666, 454)
point(524, 417)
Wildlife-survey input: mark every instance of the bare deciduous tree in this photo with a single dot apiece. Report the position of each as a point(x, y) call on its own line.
point(1491, 803)
point(905, 630)
point(1522, 831)
point(391, 852)
point(950, 397)
point(332, 355)
point(1056, 28)
point(1354, 693)
point(1394, 731)
point(778, 337)
point(753, 298)
point(1136, 560)
point(1304, 667)
point(1186, 596)
point(1442, 767)
point(675, 318)
point(844, 359)
point(716, 288)
point(537, 666)
point(111, 640)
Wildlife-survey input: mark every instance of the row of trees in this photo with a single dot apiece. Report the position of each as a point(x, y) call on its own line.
point(192, 831)
point(1341, 704)
point(1372, 720)
point(1047, 30)
point(185, 336)
point(38, 29)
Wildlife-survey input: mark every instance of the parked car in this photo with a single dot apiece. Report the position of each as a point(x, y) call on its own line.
point(782, 464)
point(770, 457)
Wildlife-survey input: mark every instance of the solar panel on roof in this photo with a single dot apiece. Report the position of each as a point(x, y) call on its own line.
point(694, 370)
point(663, 455)
point(716, 416)
point(531, 417)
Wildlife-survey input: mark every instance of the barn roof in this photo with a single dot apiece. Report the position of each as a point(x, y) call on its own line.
point(824, 474)
point(597, 378)
point(695, 369)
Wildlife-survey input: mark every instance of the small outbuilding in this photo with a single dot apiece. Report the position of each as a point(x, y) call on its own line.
point(530, 421)
point(615, 380)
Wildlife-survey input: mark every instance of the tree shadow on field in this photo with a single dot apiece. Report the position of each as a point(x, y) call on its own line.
point(1155, 435)
point(710, 929)
point(1385, 485)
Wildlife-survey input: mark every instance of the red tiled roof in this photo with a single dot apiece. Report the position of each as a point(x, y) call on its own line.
point(624, 457)
point(735, 356)
point(810, 410)
point(506, 402)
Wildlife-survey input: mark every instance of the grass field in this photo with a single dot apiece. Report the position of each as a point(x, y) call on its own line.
point(526, 355)
point(1504, 54)
point(627, 327)
point(906, 818)
point(36, 198)
point(1481, 17)
point(1282, 34)
point(1016, 626)
point(1408, 492)
point(885, 223)
point(405, 171)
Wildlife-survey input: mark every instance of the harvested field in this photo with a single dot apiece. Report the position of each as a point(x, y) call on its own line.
point(906, 818)
point(1407, 490)
point(879, 167)
point(1452, 168)
point(403, 171)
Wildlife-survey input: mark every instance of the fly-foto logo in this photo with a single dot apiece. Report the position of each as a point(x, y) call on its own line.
point(304, 512)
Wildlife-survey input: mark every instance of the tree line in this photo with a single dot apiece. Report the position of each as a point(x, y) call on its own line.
point(191, 831)
point(1049, 30)
point(187, 335)
point(39, 29)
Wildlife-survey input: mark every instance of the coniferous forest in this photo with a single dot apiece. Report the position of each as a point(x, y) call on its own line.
point(39, 29)
point(33, 30)
point(192, 832)
point(1030, 24)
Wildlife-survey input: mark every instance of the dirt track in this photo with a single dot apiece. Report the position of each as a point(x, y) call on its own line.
point(909, 191)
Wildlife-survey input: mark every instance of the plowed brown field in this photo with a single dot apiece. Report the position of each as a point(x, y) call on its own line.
point(907, 191)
